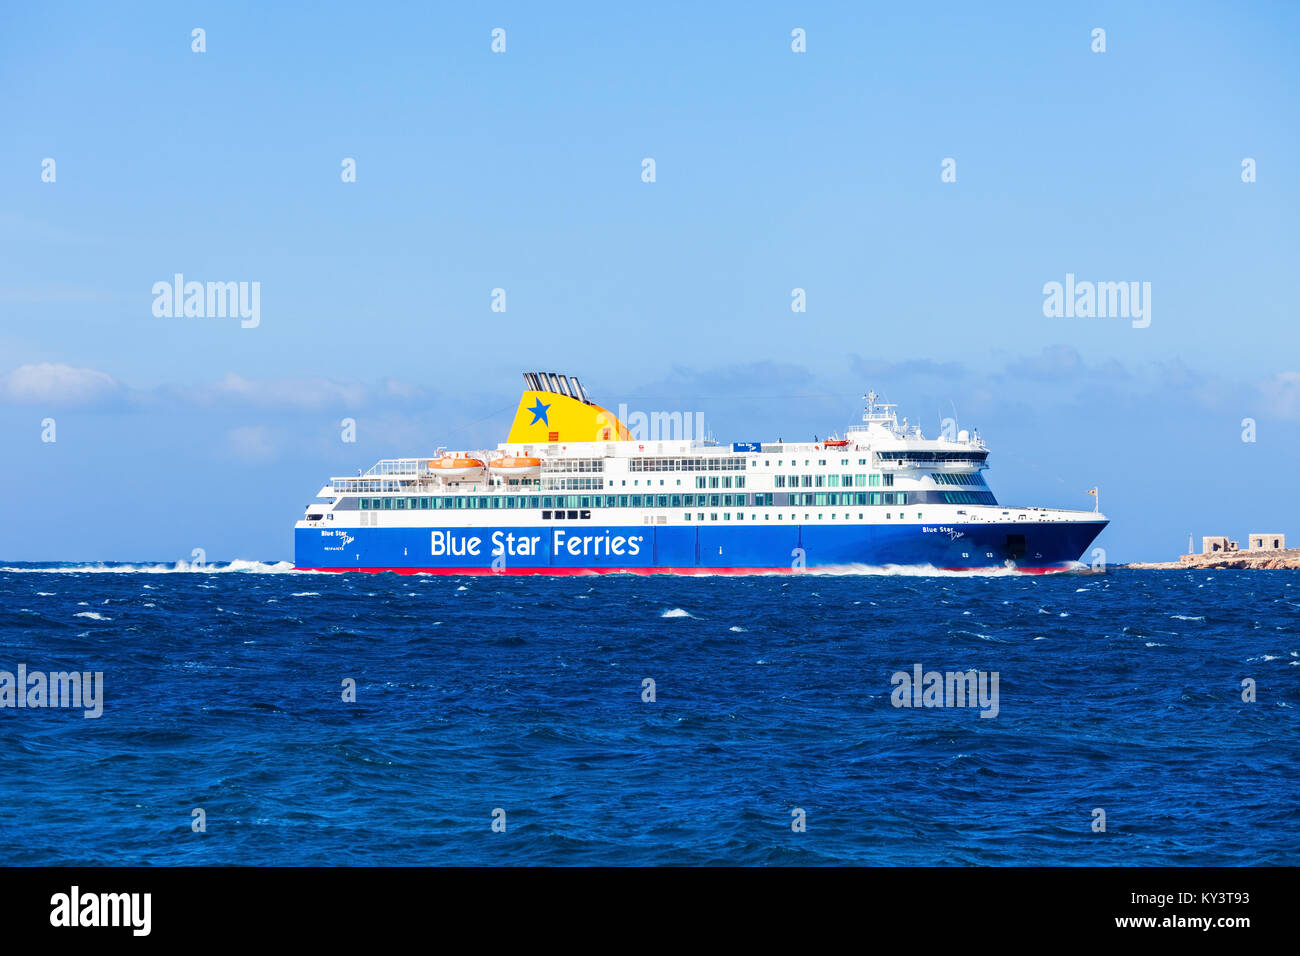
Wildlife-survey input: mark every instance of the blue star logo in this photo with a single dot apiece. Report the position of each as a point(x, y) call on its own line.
point(539, 413)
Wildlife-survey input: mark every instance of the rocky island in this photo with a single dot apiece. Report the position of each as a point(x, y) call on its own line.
point(1265, 552)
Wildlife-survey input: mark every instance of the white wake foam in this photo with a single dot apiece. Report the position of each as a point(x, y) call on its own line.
point(239, 565)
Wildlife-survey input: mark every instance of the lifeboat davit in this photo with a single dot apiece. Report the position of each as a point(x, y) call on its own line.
point(457, 467)
point(517, 466)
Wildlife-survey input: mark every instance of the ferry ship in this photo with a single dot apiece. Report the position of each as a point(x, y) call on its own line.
point(571, 491)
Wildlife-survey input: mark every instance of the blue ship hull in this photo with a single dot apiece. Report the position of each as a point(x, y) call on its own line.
point(571, 548)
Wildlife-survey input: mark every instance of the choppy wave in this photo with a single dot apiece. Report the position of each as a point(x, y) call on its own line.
point(530, 692)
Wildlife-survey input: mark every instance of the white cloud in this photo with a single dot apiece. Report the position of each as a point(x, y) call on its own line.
point(296, 393)
point(1282, 393)
point(252, 443)
point(57, 384)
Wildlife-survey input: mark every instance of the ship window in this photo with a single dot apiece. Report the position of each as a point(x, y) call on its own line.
point(677, 501)
point(364, 504)
point(410, 503)
point(889, 514)
point(713, 516)
point(585, 514)
point(573, 515)
point(546, 516)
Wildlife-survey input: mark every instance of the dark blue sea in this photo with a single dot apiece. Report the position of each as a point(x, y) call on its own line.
point(223, 691)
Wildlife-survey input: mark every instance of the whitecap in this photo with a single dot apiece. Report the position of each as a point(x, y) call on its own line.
point(676, 612)
point(93, 615)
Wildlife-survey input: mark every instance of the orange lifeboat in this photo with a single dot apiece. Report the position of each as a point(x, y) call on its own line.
point(517, 466)
point(835, 442)
point(457, 467)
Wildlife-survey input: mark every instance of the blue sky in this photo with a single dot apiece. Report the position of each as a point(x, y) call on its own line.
point(522, 171)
